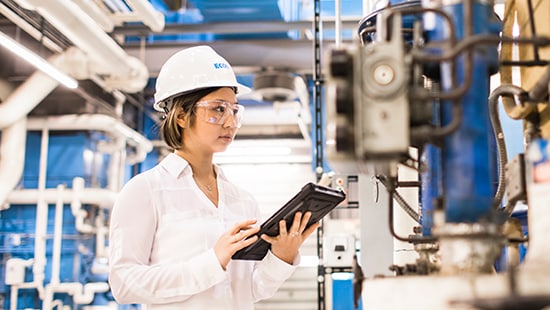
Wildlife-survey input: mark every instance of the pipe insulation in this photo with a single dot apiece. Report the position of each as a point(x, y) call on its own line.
point(96, 196)
point(121, 71)
point(99, 122)
point(12, 157)
point(147, 13)
point(25, 98)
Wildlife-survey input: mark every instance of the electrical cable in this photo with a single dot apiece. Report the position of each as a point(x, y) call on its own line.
point(510, 91)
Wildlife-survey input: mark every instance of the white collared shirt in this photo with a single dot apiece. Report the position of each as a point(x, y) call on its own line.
point(162, 233)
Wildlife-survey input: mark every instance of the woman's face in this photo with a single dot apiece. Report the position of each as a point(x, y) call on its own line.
point(207, 133)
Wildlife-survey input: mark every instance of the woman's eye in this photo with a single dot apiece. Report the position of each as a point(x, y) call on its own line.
point(220, 109)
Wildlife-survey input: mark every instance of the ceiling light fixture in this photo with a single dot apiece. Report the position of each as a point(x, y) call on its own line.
point(37, 61)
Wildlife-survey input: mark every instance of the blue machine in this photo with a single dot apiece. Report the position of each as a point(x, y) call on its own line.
point(420, 79)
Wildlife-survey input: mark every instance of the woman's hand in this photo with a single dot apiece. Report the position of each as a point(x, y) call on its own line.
point(235, 239)
point(286, 245)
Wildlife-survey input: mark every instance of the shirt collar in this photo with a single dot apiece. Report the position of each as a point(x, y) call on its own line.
point(177, 166)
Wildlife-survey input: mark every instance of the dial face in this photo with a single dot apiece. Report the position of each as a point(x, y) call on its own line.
point(383, 74)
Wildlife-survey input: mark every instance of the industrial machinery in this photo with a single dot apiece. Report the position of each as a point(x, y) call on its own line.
point(415, 91)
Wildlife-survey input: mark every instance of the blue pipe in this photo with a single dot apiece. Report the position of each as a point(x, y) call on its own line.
point(430, 189)
point(468, 165)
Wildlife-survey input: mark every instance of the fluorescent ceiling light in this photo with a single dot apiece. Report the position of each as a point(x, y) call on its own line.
point(37, 61)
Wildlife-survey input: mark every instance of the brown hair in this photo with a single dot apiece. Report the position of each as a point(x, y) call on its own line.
point(171, 132)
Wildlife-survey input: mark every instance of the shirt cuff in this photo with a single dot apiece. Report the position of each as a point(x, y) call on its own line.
point(285, 269)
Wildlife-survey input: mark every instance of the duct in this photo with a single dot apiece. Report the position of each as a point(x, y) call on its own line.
point(25, 98)
point(96, 14)
point(121, 71)
point(99, 122)
point(13, 113)
point(12, 157)
point(149, 16)
point(28, 28)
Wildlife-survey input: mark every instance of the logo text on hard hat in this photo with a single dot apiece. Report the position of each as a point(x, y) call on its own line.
point(221, 65)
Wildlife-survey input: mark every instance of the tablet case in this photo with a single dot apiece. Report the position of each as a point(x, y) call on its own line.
point(320, 200)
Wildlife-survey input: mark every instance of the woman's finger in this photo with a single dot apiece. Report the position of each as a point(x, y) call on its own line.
point(246, 242)
point(310, 230)
point(304, 221)
point(282, 228)
point(241, 226)
point(296, 223)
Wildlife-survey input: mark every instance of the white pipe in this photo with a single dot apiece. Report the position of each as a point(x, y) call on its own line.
point(116, 166)
point(367, 7)
point(36, 61)
point(93, 10)
point(13, 297)
point(28, 28)
point(26, 97)
point(96, 196)
point(147, 13)
point(101, 235)
point(76, 208)
point(48, 297)
point(338, 23)
point(41, 227)
point(57, 237)
point(12, 157)
point(96, 122)
point(121, 70)
point(82, 294)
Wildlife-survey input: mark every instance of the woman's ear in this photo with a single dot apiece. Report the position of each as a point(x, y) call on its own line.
point(183, 120)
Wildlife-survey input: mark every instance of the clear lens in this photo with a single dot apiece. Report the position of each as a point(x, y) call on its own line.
point(217, 111)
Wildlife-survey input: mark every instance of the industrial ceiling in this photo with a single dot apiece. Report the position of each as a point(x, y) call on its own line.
point(256, 37)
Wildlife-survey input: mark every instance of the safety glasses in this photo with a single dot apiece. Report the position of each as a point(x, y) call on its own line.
point(216, 112)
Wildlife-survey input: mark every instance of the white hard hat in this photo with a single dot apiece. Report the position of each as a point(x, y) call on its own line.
point(191, 69)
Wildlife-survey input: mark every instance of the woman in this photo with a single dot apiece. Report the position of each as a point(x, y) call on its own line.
point(174, 228)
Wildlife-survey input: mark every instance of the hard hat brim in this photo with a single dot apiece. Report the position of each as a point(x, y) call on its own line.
point(241, 90)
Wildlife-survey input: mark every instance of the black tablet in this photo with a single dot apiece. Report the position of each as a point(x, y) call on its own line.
point(320, 200)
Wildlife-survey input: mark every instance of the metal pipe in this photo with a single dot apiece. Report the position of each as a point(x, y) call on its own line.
point(95, 196)
point(109, 59)
point(540, 89)
point(25, 98)
point(12, 157)
point(28, 28)
point(57, 237)
point(390, 188)
point(337, 23)
point(147, 13)
point(110, 125)
point(41, 227)
point(95, 12)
